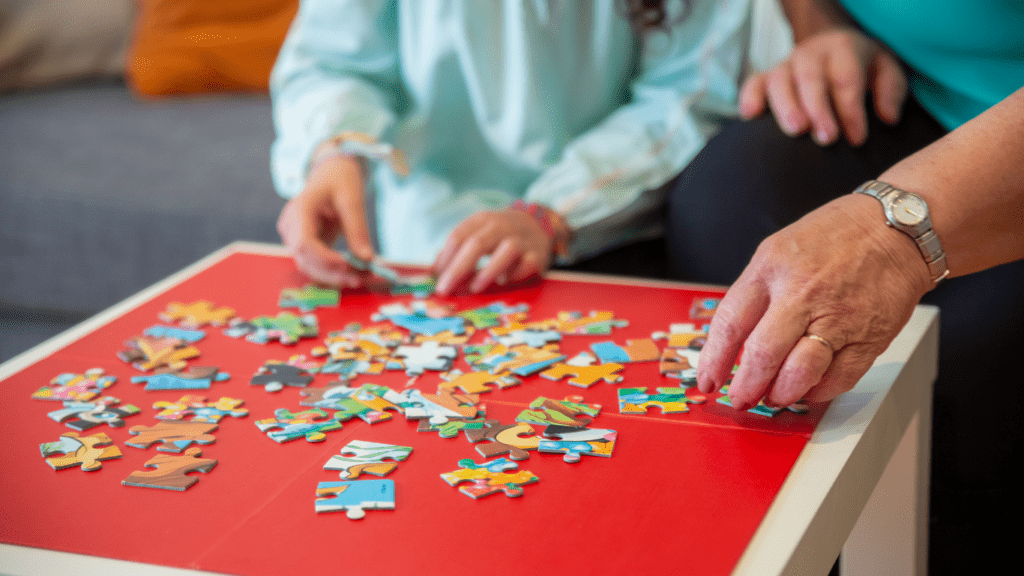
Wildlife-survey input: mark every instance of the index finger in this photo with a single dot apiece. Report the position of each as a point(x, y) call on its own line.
point(736, 316)
point(351, 209)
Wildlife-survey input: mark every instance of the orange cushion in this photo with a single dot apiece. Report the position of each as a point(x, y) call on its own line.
point(190, 46)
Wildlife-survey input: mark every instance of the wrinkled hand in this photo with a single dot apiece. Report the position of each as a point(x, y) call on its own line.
point(839, 273)
point(329, 206)
point(517, 245)
point(821, 86)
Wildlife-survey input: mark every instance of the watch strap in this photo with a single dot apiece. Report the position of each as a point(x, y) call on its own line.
point(927, 242)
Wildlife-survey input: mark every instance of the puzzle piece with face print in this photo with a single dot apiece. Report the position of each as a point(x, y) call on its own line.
point(172, 436)
point(196, 378)
point(286, 426)
point(585, 376)
point(489, 478)
point(476, 382)
point(569, 412)
point(76, 387)
point(308, 298)
point(82, 416)
point(576, 441)
point(358, 457)
point(670, 400)
point(85, 451)
point(355, 497)
point(197, 314)
point(171, 471)
point(199, 409)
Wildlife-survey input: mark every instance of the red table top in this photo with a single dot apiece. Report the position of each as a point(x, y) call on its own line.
point(683, 493)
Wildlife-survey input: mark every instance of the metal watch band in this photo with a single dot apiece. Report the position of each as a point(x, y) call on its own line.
point(927, 243)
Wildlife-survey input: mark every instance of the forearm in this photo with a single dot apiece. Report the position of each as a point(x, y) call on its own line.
point(973, 181)
point(809, 17)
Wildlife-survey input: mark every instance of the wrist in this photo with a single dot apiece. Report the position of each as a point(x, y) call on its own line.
point(893, 248)
point(359, 146)
point(553, 224)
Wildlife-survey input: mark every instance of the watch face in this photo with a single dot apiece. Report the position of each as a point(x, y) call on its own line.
point(909, 209)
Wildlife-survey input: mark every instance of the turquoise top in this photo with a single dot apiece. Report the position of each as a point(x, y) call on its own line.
point(964, 55)
point(551, 101)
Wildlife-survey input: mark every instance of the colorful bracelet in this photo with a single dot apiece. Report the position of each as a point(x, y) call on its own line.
point(554, 225)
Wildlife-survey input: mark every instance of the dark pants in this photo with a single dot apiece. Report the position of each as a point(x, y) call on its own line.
point(751, 180)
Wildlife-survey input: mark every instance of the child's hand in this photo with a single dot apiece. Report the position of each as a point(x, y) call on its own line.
point(329, 206)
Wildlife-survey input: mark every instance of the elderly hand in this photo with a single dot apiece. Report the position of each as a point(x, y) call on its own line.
point(820, 88)
point(517, 245)
point(840, 274)
point(330, 205)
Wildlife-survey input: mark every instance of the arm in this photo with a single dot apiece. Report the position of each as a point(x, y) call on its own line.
point(335, 73)
point(605, 185)
point(858, 289)
point(820, 88)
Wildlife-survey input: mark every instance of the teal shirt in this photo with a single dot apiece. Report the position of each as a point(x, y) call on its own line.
point(550, 101)
point(964, 55)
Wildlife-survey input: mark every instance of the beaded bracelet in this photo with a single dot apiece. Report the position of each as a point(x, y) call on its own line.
point(554, 225)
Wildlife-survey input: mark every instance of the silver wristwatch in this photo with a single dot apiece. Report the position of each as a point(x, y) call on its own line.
point(908, 213)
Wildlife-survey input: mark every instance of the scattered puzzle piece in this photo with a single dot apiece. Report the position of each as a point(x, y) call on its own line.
point(275, 375)
point(489, 478)
point(490, 315)
point(170, 473)
point(197, 314)
point(704, 308)
point(190, 336)
point(532, 338)
point(426, 356)
point(585, 376)
point(671, 400)
point(287, 328)
point(196, 378)
point(597, 323)
point(199, 409)
point(576, 441)
point(568, 412)
point(763, 409)
point(349, 402)
point(641, 350)
point(87, 451)
point(173, 436)
point(147, 353)
point(292, 426)
point(308, 298)
point(476, 382)
point(80, 387)
point(424, 317)
point(512, 439)
point(451, 428)
point(680, 363)
point(82, 416)
point(355, 497)
point(440, 407)
point(522, 360)
point(359, 457)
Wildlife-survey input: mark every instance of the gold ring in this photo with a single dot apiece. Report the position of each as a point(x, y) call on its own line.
point(817, 338)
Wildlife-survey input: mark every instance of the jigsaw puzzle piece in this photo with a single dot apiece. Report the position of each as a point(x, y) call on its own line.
point(196, 378)
point(275, 375)
point(199, 409)
point(585, 376)
point(763, 409)
point(427, 356)
point(82, 416)
point(359, 457)
point(491, 315)
point(572, 442)
point(355, 497)
point(348, 403)
point(569, 412)
point(512, 439)
point(670, 400)
point(76, 387)
point(476, 382)
point(173, 436)
point(489, 478)
point(308, 298)
point(286, 425)
point(450, 429)
point(523, 360)
point(641, 350)
point(148, 353)
point(440, 407)
point(89, 452)
point(197, 314)
point(600, 322)
point(704, 308)
point(171, 471)
point(286, 328)
point(190, 336)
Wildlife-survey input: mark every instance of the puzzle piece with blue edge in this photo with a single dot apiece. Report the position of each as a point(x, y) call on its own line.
point(76, 387)
point(355, 497)
point(196, 378)
point(82, 416)
point(348, 403)
point(190, 336)
point(576, 441)
point(763, 409)
point(173, 436)
point(569, 412)
point(308, 298)
point(489, 478)
point(704, 308)
point(359, 457)
point(671, 400)
point(522, 360)
point(88, 452)
point(640, 350)
point(286, 426)
point(424, 317)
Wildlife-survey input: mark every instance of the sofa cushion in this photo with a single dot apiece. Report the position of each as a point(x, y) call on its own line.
point(103, 195)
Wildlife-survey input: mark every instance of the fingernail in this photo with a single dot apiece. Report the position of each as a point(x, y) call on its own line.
point(822, 137)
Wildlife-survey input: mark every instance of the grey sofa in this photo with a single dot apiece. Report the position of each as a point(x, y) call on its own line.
point(102, 194)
